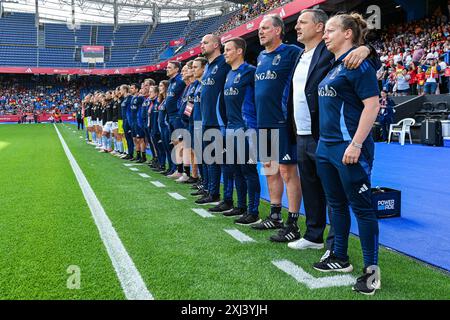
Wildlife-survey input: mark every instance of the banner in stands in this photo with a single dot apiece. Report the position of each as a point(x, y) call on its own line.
point(42, 118)
point(285, 11)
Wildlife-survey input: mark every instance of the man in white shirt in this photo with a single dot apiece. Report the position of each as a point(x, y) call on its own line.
point(313, 65)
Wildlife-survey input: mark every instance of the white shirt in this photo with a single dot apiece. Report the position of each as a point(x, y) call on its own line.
point(301, 111)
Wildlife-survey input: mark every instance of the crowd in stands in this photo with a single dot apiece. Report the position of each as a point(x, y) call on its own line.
point(48, 94)
point(248, 12)
point(414, 57)
point(15, 99)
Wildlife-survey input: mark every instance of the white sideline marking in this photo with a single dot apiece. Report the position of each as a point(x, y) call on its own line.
point(312, 282)
point(144, 175)
point(132, 164)
point(133, 169)
point(238, 235)
point(130, 279)
point(176, 196)
point(203, 213)
point(158, 184)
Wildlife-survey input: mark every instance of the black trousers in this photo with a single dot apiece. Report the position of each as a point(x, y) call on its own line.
point(80, 124)
point(313, 195)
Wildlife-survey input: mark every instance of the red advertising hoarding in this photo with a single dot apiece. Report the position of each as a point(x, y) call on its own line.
point(178, 42)
point(42, 118)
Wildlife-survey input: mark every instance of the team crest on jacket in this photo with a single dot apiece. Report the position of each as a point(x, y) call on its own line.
point(336, 72)
point(276, 60)
point(237, 79)
point(214, 70)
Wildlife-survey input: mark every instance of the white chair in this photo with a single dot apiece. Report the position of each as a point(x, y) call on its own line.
point(402, 127)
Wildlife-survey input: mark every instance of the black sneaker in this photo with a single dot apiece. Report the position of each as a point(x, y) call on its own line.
point(368, 283)
point(333, 264)
point(289, 233)
point(196, 186)
point(248, 220)
point(223, 206)
point(208, 200)
point(235, 212)
point(268, 224)
point(199, 192)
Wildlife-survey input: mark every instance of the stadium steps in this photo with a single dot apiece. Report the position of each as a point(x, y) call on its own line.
point(94, 32)
point(41, 36)
point(151, 28)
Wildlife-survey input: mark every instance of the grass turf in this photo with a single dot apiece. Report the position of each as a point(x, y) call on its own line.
point(179, 254)
point(45, 224)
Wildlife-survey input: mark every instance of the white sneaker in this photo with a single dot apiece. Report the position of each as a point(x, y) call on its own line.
point(303, 244)
point(183, 178)
point(175, 175)
point(325, 255)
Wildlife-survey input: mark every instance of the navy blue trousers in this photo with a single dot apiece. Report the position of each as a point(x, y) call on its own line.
point(346, 185)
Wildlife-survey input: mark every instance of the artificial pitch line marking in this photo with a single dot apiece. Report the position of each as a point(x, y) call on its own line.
point(203, 213)
point(130, 279)
point(310, 281)
point(176, 196)
point(132, 164)
point(158, 184)
point(239, 236)
point(133, 169)
point(144, 175)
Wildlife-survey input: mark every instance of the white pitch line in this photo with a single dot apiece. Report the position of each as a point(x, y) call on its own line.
point(176, 196)
point(238, 235)
point(130, 279)
point(310, 281)
point(203, 213)
point(132, 164)
point(144, 175)
point(158, 184)
point(133, 169)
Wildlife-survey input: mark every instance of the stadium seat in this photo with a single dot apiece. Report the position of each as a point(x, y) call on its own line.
point(402, 127)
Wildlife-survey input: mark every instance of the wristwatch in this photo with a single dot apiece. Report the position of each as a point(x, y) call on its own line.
point(357, 145)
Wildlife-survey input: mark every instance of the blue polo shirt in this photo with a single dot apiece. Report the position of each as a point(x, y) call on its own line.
point(212, 100)
point(340, 99)
point(183, 102)
point(125, 107)
point(197, 112)
point(239, 93)
point(162, 115)
point(174, 95)
point(136, 103)
point(143, 113)
point(272, 85)
point(154, 115)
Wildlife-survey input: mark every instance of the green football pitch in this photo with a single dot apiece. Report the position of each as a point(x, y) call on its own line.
point(51, 247)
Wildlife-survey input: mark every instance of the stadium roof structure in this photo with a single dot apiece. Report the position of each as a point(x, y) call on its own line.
point(76, 12)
